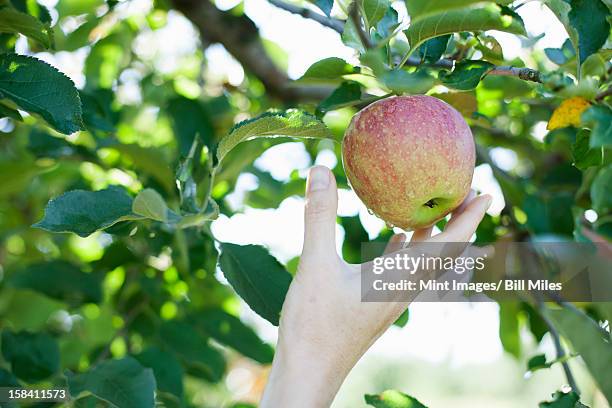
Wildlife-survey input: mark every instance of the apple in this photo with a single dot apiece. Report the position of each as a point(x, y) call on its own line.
point(410, 159)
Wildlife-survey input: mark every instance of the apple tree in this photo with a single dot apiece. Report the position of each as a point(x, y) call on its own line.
point(110, 284)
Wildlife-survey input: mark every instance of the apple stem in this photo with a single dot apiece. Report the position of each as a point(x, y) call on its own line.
point(431, 203)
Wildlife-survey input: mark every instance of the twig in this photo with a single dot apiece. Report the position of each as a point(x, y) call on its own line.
point(604, 94)
point(355, 16)
point(334, 24)
point(560, 351)
point(526, 74)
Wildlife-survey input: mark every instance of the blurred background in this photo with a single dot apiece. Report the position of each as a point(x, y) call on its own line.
point(144, 62)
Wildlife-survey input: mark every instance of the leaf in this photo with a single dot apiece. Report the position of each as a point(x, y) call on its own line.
point(190, 118)
point(562, 400)
point(488, 17)
point(561, 55)
point(37, 87)
point(537, 362)
point(325, 5)
point(60, 280)
point(433, 49)
point(97, 114)
point(589, 19)
point(374, 10)
point(466, 75)
point(7, 112)
point(392, 399)
point(387, 25)
point(150, 204)
point(464, 102)
point(587, 340)
point(33, 356)
point(568, 113)
point(166, 368)
point(347, 94)
point(583, 155)
point(257, 277)
point(509, 331)
point(150, 161)
point(418, 9)
point(403, 319)
point(14, 21)
point(599, 119)
point(197, 355)
point(291, 123)
point(400, 81)
point(229, 330)
point(84, 212)
point(601, 191)
point(123, 383)
point(328, 69)
point(491, 49)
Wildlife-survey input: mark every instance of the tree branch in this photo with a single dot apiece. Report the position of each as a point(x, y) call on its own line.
point(526, 74)
point(355, 16)
point(333, 23)
point(603, 95)
point(240, 37)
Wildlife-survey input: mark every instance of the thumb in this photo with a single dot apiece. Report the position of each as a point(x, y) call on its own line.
point(320, 212)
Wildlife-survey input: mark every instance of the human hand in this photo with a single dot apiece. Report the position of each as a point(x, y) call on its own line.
point(325, 328)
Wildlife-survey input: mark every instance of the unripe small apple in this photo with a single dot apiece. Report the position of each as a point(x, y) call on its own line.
point(410, 159)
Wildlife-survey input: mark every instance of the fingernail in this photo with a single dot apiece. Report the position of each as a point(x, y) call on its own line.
point(318, 179)
point(488, 201)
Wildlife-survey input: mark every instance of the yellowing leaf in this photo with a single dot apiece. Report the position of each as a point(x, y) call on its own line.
point(568, 113)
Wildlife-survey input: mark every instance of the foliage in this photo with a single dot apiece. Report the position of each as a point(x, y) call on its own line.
point(108, 261)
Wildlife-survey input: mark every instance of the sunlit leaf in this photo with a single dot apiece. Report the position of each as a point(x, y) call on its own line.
point(568, 113)
point(393, 399)
point(15, 21)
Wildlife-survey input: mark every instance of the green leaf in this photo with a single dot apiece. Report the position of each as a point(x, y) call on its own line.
point(60, 280)
point(7, 379)
point(347, 94)
point(123, 383)
point(589, 19)
point(509, 330)
point(197, 355)
point(601, 191)
point(257, 277)
point(488, 17)
point(97, 114)
point(229, 330)
point(433, 49)
point(291, 123)
point(586, 339)
point(166, 368)
point(402, 82)
point(7, 112)
point(392, 399)
point(190, 118)
point(150, 204)
point(466, 75)
point(374, 10)
point(403, 319)
point(387, 25)
point(84, 212)
point(150, 161)
point(583, 155)
point(37, 87)
point(33, 356)
point(325, 5)
point(537, 362)
point(328, 69)
point(418, 9)
point(562, 400)
point(14, 21)
point(599, 119)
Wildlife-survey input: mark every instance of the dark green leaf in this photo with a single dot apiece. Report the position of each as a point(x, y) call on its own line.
point(549, 213)
point(124, 383)
point(7, 112)
point(60, 280)
point(488, 17)
point(348, 93)
point(328, 69)
point(589, 19)
point(392, 399)
point(466, 75)
point(325, 5)
point(599, 119)
point(601, 191)
point(96, 110)
point(14, 21)
point(257, 277)
point(197, 355)
point(387, 25)
point(291, 123)
point(190, 118)
point(562, 400)
point(537, 362)
point(583, 155)
point(229, 330)
point(37, 87)
point(433, 49)
point(587, 340)
point(166, 368)
point(33, 356)
point(7, 379)
point(84, 212)
point(374, 10)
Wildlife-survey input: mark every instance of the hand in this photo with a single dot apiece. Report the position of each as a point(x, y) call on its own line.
point(324, 327)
